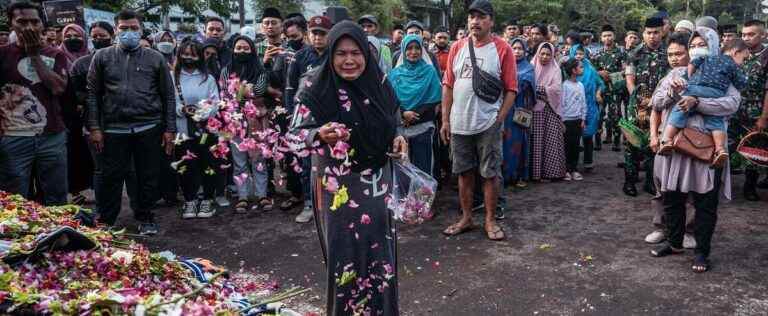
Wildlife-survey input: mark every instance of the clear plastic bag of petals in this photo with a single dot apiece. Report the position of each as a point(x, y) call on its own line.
point(413, 193)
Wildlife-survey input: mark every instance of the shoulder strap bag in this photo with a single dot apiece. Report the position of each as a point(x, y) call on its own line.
point(486, 86)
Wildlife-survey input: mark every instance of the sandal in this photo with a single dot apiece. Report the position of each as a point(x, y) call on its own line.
point(455, 229)
point(700, 264)
point(720, 158)
point(495, 234)
point(241, 207)
point(290, 203)
point(266, 204)
point(665, 251)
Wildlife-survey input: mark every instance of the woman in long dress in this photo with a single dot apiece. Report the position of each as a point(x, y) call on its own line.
point(547, 146)
point(517, 137)
point(347, 117)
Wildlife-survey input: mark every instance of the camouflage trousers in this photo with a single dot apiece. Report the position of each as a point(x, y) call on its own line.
point(612, 114)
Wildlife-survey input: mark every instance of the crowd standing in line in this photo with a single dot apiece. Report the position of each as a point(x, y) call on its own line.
point(109, 107)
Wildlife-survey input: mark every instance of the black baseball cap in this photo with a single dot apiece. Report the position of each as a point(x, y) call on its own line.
point(482, 6)
point(369, 18)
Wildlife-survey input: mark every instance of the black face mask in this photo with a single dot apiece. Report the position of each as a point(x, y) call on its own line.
point(73, 44)
point(189, 62)
point(101, 43)
point(295, 44)
point(242, 58)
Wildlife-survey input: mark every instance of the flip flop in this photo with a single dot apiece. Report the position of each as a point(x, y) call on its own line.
point(700, 264)
point(455, 230)
point(496, 234)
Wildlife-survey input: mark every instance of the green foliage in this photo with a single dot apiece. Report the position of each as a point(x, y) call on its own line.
point(388, 12)
point(285, 6)
point(191, 7)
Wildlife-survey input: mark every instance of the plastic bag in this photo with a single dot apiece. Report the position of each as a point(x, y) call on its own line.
point(413, 193)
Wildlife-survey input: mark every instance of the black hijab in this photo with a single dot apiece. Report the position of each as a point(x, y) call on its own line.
point(371, 117)
point(248, 70)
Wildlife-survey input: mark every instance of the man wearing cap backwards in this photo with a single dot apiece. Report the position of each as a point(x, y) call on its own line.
point(754, 104)
point(473, 126)
point(647, 65)
point(728, 33)
point(370, 25)
point(610, 62)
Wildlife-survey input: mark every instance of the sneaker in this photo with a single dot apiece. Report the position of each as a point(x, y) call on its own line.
point(306, 215)
point(500, 213)
point(206, 209)
point(689, 242)
point(222, 201)
point(190, 210)
point(568, 176)
point(655, 237)
point(577, 176)
point(147, 229)
point(589, 166)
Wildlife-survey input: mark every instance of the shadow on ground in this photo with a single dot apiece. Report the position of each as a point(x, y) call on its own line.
point(572, 248)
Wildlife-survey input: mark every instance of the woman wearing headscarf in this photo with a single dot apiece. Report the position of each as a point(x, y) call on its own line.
point(165, 43)
point(516, 137)
point(80, 165)
point(418, 89)
point(593, 84)
point(356, 231)
point(547, 144)
point(246, 66)
point(74, 44)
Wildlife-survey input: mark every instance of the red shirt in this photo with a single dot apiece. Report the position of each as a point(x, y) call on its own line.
point(442, 57)
point(17, 75)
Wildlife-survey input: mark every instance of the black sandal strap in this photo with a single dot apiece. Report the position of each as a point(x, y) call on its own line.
point(700, 261)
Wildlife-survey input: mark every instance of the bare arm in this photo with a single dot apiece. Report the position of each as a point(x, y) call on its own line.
point(445, 130)
point(50, 79)
point(506, 106)
point(724, 106)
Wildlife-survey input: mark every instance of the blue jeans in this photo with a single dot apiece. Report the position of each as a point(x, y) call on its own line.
point(678, 118)
point(256, 172)
point(48, 153)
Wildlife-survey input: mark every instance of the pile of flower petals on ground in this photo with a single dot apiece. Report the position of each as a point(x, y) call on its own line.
point(116, 277)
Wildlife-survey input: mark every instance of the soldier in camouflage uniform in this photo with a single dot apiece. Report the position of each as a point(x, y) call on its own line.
point(610, 62)
point(647, 65)
point(752, 100)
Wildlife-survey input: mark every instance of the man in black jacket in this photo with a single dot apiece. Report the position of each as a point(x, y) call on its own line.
point(131, 114)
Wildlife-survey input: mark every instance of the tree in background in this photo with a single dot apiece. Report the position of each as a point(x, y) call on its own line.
point(285, 6)
point(388, 12)
point(191, 7)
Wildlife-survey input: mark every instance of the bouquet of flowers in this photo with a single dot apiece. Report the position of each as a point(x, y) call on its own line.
point(112, 275)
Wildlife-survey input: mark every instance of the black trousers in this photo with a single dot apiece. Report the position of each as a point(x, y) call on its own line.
point(201, 171)
point(573, 133)
point(144, 150)
point(589, 149)
point(705, 217)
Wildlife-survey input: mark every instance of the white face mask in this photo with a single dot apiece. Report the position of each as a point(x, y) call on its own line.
point(698, 52)
point(165, 47)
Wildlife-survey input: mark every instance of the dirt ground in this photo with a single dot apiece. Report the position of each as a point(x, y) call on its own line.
point(572, 248)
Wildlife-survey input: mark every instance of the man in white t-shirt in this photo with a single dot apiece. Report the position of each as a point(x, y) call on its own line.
point(473, 126)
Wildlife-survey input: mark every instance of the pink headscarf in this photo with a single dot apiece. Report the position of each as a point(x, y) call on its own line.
point(550, 77)
point(72, 56)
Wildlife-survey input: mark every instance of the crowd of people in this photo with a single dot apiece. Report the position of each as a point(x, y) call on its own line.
point(110, 108)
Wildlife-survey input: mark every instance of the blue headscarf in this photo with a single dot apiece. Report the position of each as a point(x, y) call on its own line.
point(592, 82)
point(415, 83)
point(526, 76)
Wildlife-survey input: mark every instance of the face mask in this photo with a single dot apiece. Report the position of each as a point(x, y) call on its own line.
point(101, 43)
point(189, 62)
point(129, 39)
point(698, 52)
point(295, 44)
point(165, 48)
point(74, 44)
point(242, 57)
